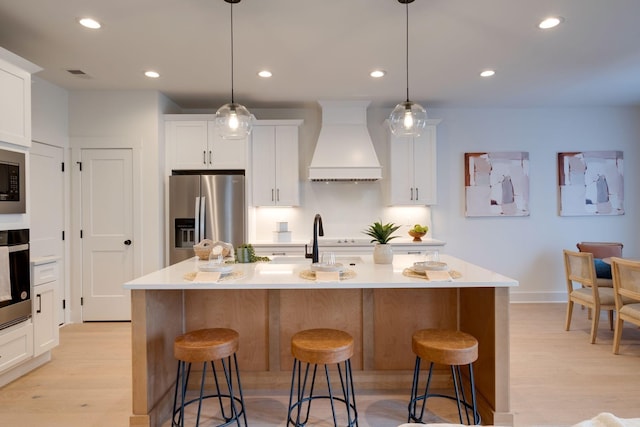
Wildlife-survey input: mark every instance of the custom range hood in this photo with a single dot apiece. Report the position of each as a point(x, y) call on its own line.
point(344, 151)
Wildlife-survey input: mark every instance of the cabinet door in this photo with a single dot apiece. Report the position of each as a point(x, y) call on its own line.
point(401, 191)
point(45, 324)
point(424, 177)
point(263, 160)
point(286, 166)
point(187, 144)
point(16, 345)
point(15, 104)
point(225, 153)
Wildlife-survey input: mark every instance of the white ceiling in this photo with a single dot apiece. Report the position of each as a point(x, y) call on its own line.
point(325, 49)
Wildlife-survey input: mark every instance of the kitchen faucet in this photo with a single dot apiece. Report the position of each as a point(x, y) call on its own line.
point(317, 231)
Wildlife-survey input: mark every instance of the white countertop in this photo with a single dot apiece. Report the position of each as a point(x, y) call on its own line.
point(281, 275)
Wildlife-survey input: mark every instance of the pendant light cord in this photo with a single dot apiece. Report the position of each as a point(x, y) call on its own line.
point(407, 45)
point(232, 100)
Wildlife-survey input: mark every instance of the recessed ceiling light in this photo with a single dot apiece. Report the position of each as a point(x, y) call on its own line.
point(265, 73)
point(89, 23)
point(152, 74)
point(376, 74)
point(550, 22)
point(487, 73)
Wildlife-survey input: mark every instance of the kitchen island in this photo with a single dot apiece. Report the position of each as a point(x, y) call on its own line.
point(379, 305)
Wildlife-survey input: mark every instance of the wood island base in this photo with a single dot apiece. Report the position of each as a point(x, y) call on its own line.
point(381, 320)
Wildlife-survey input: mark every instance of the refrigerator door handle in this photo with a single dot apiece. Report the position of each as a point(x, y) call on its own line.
point(202, 211)
point(196, 215)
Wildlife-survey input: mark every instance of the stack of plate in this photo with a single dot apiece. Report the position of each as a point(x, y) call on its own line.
point(320, 266)
point(422, 267)
point(222, 268)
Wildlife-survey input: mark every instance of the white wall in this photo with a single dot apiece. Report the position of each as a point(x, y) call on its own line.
point(529, 249)
point(49, 113)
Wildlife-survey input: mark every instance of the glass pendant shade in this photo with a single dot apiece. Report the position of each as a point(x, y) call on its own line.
point(408, 119)
point(233, 121)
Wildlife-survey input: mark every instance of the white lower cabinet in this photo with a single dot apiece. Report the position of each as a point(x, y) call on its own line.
point(16, 345)
point(46, 333)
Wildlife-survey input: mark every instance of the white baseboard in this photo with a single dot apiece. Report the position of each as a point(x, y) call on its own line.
point(540, 297)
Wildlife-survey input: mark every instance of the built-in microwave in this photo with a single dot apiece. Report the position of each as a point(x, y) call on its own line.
point(12, 182)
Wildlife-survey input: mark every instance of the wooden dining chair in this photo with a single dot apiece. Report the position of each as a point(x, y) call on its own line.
point(626, 286)
point(579, 269)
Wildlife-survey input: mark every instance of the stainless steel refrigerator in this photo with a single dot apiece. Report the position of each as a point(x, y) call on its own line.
point(205, 206)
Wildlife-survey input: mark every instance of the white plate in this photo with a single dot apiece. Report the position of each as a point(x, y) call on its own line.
point(318, 266)
point(421, 267)
point(222, 268)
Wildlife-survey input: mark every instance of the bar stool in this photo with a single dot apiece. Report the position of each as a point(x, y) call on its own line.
point(209, 346)
point(321, 347)
point(446, 347)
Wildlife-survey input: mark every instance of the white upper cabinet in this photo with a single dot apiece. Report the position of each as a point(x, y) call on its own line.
point(195, 144)
point(412, 175)
point(15, 98)
point(274, 164)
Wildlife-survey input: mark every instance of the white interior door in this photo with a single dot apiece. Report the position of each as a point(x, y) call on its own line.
point(47, 210)
point(107, 233)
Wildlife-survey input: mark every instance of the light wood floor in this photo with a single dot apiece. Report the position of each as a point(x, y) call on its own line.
point(557, 378)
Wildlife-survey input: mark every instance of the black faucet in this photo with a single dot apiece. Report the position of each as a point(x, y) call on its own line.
point(317, 231)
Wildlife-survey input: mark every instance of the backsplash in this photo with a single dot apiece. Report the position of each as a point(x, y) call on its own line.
point(346, 209)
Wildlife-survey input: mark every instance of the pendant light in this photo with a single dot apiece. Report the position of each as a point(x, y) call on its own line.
point(233, 121)
point(408, 118)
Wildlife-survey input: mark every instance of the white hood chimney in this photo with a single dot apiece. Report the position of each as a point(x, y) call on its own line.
point(344, 151)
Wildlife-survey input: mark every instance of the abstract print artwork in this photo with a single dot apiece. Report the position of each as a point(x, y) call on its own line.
point(591, 183)
point(497, 184)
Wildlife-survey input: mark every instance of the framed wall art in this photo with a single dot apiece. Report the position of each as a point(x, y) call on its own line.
point(497, 184)
point(591, 183)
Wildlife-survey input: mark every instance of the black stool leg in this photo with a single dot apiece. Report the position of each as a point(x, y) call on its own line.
point(476, 415)
point(456, 384)
point(414, 390)
point(244, 413)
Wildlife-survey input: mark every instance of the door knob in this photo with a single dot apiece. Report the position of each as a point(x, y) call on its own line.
point(127, 242)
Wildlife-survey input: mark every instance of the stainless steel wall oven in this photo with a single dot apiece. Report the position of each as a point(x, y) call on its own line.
point(15, 306)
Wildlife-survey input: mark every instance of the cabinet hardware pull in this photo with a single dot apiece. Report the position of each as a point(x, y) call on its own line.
point(209, 156)
point(127, 242)
point(278, 195)
point(411, 194)
point(417, 195)
point(278, 253)
point(413, 252)
point(272, 195)
point(204, 157)
point(39, 310)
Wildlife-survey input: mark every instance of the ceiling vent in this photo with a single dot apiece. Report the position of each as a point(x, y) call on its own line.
point(79, 73)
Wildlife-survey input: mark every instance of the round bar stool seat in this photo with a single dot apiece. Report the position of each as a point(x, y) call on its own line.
point(209, 346)
point(204, 345)
point(445, 347)
point(321, 347)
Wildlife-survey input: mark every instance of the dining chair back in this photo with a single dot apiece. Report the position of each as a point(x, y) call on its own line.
point(579, 269)
point(602, 250)
point(626, 286)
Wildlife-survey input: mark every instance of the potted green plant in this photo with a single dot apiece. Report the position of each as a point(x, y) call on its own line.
point(381, 234)
point(244, 253)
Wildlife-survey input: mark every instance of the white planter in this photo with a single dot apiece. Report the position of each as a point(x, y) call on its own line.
point(382, 253)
